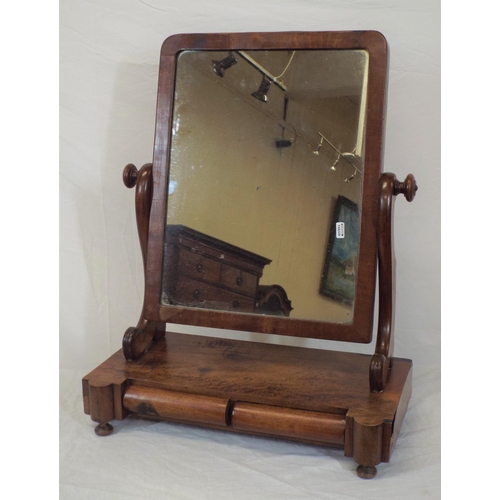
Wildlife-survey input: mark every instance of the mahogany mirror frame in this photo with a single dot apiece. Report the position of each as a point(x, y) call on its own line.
point(154, 192)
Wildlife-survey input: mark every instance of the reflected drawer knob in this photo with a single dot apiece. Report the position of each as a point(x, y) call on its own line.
point(199, 268)
point(236, 304)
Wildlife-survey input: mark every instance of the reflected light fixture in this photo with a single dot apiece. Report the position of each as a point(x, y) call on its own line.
point(221, 66)
point(344, 156)
point(318, 147)
point(350, 178)
point(334, 166)
point(261, 94)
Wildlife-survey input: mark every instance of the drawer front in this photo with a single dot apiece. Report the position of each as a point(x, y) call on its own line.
point(193, 293)
point(239, 303)
point(325, 428)
point(199, 267)
point(175, 405)
point(238, 280)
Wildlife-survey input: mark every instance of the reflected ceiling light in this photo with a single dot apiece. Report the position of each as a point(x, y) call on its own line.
point(334, 166)
point(349, 179)
point(274, 79)
point(261, 94)
point(318, 147)
point(350, 158)
point(221, 66)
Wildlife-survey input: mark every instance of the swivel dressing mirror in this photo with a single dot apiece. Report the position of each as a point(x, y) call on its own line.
point(270, 182)
point(265, 210)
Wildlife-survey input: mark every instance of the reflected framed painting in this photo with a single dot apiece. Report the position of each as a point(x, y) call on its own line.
point(338, 279)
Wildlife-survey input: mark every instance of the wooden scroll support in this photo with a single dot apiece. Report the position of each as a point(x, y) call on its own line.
point(136, 340)
point(381, 361)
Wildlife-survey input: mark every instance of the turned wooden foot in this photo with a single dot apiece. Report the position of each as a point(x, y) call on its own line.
point(366, 472)
point(103, 429)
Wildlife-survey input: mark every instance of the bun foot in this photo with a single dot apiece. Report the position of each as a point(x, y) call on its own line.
point(103, 429)
point(366, 472)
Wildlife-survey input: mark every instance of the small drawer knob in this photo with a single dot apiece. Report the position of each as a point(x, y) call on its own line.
point(239, 281)
point(236, 304)
point(196, 293)
point(199, 268)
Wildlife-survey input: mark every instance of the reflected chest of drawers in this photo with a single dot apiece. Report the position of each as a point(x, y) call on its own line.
point(202, 271)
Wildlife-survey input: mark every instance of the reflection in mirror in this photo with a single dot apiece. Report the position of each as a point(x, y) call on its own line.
point(265, 182)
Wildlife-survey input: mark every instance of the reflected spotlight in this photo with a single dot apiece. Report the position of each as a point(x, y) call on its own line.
point(334, 166)
point(349, 179)
point(318, 147)
point(261, 94)
point(221, 66)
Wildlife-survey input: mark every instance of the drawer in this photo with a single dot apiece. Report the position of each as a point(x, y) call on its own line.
point(238, 280)
point(199, 267)
point(239, 303)
point(175, 405)
point(193, 293)
point(325, 428)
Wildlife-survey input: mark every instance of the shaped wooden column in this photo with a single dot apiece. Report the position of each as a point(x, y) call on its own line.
point(136, 340)
point(390, 187)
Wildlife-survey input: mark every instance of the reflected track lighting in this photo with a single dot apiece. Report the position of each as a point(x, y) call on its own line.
point(274, 79)
point(344, 156)
point(261, 94)
point(221, 66)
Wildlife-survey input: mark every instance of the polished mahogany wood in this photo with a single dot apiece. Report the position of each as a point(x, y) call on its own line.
point(137, 339)
point(311, 426)
point(309, 395)
point(176, 405)
point(390, 187)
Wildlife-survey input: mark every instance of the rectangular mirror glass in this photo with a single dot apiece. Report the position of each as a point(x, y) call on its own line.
point(265, 182)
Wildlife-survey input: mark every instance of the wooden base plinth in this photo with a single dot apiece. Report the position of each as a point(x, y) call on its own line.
point(309, 395)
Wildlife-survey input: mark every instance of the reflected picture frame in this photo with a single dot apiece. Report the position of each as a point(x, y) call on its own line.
point(338, 279)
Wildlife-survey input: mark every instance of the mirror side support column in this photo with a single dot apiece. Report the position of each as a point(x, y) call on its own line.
point(389, 188)
point(136, 340)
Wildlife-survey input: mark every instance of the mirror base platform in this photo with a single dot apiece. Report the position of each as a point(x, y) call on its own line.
point(314, 396)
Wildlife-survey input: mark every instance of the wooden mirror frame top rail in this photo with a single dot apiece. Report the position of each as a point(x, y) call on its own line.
point(366, 396)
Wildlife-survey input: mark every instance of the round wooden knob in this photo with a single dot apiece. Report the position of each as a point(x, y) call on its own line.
point(408, 187)
point(130, 175)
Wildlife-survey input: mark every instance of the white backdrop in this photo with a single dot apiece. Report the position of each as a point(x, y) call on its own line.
point(109, 52)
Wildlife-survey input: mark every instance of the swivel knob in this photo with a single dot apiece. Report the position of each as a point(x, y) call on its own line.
point(408, 187)
point(130, 174)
